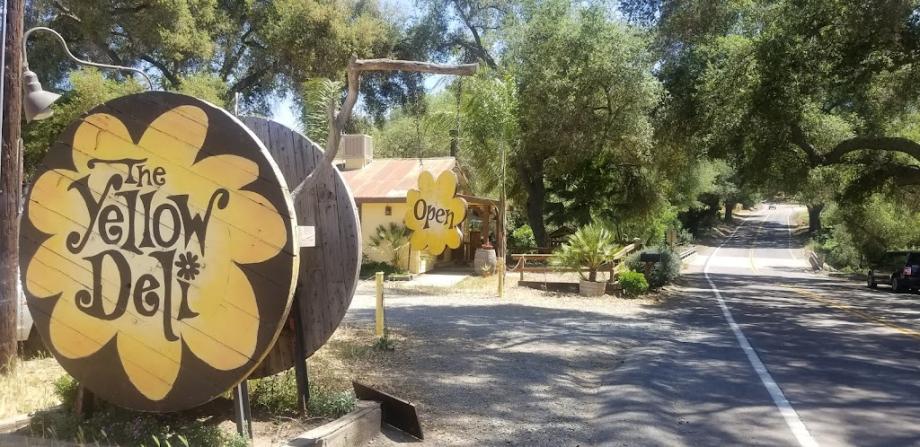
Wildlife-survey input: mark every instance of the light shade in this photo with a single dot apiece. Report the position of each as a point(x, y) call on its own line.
point(36, 103)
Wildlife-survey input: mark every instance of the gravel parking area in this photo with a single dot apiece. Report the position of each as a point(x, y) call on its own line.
point(523, 370)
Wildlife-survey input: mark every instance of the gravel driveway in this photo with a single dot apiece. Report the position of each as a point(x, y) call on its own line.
point(525, 370)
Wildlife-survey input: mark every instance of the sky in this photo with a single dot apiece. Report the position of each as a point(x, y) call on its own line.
point(284, 112)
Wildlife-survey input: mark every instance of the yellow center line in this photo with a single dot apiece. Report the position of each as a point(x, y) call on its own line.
point(753, 242)
point(854, 311)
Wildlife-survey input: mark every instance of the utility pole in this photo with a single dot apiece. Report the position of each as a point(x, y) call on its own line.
point(10, 180)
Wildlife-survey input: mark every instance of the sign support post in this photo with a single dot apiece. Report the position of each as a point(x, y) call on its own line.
point(242, 413)
point(300, 359)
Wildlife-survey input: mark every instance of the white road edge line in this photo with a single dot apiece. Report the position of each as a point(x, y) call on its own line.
point(792, 419)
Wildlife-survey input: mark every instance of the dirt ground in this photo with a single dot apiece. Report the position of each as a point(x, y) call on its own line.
point(522, 370)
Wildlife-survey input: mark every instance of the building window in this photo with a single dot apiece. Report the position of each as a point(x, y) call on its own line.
point(388, 211)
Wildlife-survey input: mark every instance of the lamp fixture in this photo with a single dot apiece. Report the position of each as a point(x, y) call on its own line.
point(36, 102)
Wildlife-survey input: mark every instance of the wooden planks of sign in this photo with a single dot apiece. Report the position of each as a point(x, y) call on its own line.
point(329, 270)
point(158, 251)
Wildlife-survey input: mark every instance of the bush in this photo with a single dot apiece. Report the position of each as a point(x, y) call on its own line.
point(369, 268)
point(633, 283)
point(837, 248)
point(65, 387)
point(521, 240)
point(111, 425)
point(277, 395)
point(589, 248)
point(330, 403)
point(664, 272)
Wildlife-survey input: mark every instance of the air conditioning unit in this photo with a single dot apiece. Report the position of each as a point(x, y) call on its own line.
point(357, 150)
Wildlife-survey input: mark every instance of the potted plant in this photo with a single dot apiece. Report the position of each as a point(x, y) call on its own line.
point(589, 249)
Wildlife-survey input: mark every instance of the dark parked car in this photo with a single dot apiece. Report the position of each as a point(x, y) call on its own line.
point(900, 269)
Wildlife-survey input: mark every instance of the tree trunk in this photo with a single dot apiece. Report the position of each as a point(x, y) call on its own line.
point(10, 183)
point(729, 209)
point(536, 196)
point(814, 217)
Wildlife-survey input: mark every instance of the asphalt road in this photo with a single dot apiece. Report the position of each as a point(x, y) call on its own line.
point(778, 357)
point(774, 355)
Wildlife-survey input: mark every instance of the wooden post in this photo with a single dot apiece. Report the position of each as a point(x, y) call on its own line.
point(486, 225)
point(10, 181)
point(501, 277)
point(84, 404)
point(301, 374)
point(379, 313)
point(523, 265)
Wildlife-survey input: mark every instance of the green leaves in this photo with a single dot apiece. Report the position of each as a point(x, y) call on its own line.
point(393, 237)
point(319, 94)
point(590, 247)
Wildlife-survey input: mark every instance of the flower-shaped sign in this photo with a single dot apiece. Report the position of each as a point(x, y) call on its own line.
point(157, 251)
point(435, 213)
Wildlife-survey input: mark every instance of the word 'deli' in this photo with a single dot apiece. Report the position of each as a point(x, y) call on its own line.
point(157, 251)
point(435, 213)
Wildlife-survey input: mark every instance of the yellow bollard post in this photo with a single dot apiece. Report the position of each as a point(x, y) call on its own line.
point(501, 278)
point(379, 313)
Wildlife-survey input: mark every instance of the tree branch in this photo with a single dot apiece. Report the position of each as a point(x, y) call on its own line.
point(130, 10)
point(248, 81)
point(799, 139)
point(66, 12)
point(231, 58)
point(167, 73)
point(338, 120)
point(871, 180)
point(483, 54)
point(892, 144)
point(358, 65)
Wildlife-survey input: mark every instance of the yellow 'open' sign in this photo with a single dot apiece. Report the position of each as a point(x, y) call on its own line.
point(435, 213)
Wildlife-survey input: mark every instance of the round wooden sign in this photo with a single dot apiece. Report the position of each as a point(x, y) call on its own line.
point(328, 269)
point(158, 251)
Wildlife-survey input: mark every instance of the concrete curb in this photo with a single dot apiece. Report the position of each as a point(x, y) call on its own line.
point(14, 423)
point(354, 429)
point(17, 422)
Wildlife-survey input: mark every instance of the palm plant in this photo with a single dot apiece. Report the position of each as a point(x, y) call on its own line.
point(591, 247)
point(393, 236)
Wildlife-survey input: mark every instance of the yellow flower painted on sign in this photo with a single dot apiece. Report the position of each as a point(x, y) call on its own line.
point(435, 212)
point(147, 244)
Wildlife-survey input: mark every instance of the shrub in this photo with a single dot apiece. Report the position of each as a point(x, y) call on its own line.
point(837, 248)
point(111, 425)
point(65, 387)
point(664, 272)
point(521, 240)
point(589, 248)
point(368, 269)
point(277, 395)
point(393, 237)
point(633, 283)
point(330, 403)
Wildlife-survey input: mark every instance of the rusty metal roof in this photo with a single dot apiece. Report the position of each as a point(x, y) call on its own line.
point(393, 177)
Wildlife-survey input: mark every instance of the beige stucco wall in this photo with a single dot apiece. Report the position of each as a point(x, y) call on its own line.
point(374, 215)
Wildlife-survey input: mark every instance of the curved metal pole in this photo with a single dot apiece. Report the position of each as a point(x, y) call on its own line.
point(25, 56)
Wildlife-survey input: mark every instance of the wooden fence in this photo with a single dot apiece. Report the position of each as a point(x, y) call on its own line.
point(612, 267)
